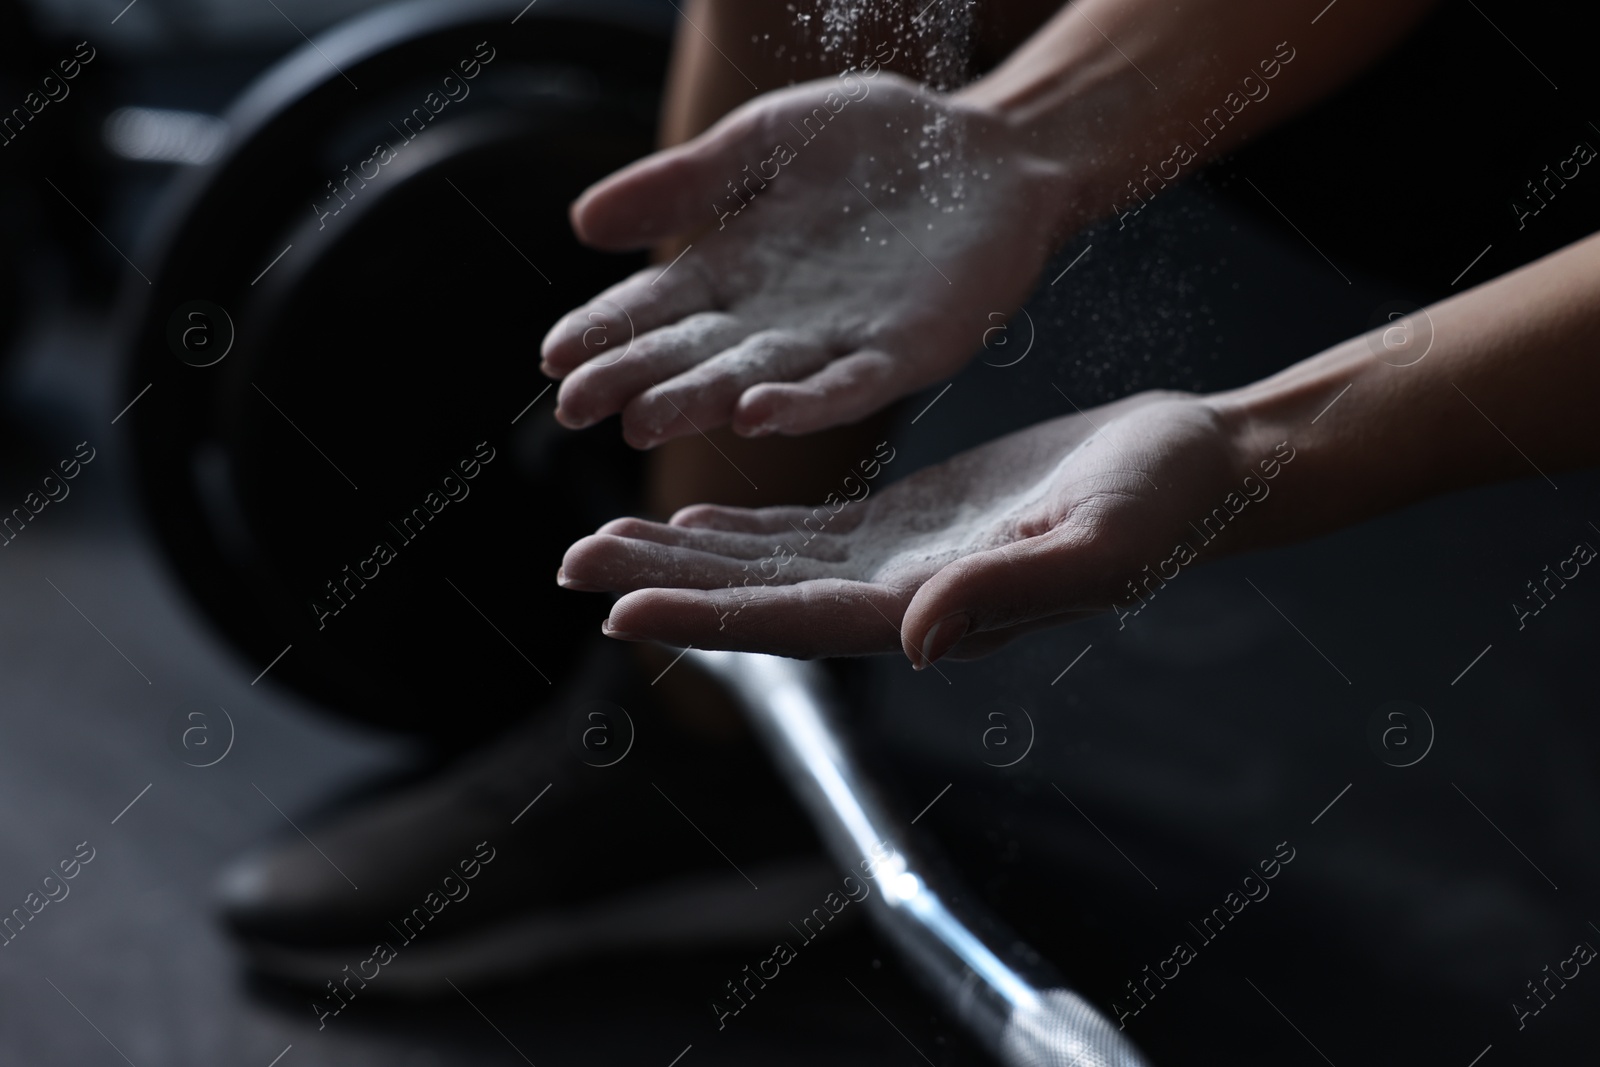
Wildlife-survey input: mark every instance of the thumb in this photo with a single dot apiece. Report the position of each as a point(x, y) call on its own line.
point(1054, 574)
point(676, 191)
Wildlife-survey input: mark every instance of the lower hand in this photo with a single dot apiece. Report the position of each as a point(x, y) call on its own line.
point(1051, 523)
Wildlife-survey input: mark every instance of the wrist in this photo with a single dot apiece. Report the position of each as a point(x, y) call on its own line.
point(1259, 416)
point(1055, 181)
point(1079, 112)
point(1286, 418)
point(1363, 442)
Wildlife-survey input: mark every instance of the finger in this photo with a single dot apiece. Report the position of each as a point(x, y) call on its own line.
point(621, 565)
point(1006, 587)
point(734, 545)
point(846, 390)
point(828, 617)
point(601, 388)
point(604, 327)
point(822, 519)
point(672, 192)
point(703, 397)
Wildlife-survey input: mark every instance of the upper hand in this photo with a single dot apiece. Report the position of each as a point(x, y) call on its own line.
point(849, 246)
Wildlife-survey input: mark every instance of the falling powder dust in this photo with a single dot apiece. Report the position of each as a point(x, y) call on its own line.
point(938, 35)
point(938, 32)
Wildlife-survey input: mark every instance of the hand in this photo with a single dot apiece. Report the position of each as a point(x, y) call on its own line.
point(853, 240)
point(1048, 524)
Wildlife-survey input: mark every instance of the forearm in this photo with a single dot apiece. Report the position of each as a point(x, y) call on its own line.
point(1119, 98)
point(1507, 389)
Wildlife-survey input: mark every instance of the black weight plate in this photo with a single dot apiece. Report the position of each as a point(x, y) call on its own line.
point(373, 350)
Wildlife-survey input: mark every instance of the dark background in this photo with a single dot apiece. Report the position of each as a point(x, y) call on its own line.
point(1196, 739)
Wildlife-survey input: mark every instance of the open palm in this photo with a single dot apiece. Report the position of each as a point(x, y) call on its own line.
point(1044, 525)
point(847, 250)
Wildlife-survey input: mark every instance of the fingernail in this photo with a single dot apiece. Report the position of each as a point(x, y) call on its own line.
point(641, 442)
point(620, 635)
point(567, 583)
point(942, 638)
point(572, 422)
